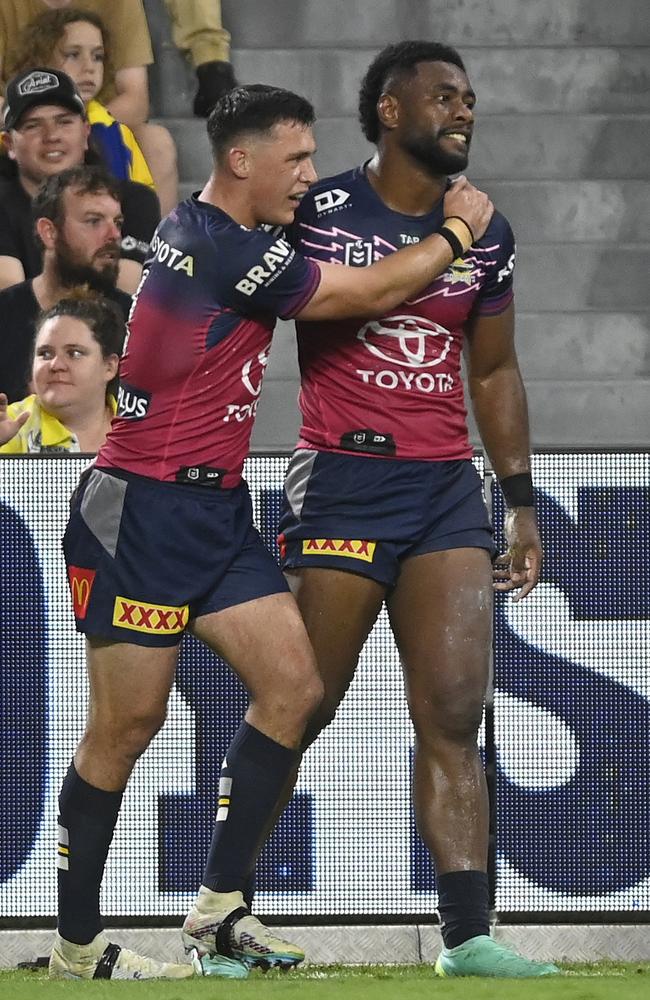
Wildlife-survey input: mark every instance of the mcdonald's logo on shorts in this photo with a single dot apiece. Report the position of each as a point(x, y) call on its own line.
point(349, 548)
point(154, 619)
point(81, 583)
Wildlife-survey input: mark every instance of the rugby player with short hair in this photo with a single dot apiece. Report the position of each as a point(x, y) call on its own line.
point(382, 500)
point(160, 539)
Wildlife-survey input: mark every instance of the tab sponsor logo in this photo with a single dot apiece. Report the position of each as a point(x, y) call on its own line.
point(154, 619)
point(81, 583)
point(348, 548)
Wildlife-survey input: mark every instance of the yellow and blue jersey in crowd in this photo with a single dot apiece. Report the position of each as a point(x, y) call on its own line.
point(118, 146)
point(42, 433)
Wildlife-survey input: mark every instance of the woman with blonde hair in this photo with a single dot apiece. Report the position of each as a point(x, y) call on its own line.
point(77, 42)
point(74, 375)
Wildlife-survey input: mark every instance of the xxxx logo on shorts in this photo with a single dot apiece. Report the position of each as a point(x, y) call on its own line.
point(350, 548)
point(155, 619)
point(81, 583)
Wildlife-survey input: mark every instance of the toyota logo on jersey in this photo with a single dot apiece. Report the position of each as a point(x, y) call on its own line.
point(251, 375)
point(407, 340)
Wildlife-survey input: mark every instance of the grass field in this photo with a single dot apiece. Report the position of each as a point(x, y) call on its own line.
point(606, 980)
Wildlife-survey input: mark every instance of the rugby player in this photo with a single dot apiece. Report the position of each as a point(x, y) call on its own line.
point(382, 500)
point(160, 539)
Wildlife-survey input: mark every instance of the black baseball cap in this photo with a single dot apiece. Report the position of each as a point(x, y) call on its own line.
point(40, 86)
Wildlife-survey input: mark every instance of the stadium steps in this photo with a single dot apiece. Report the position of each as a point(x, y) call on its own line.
point(562, 145)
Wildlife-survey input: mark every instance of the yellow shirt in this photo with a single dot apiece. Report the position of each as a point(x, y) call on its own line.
point(42, 434)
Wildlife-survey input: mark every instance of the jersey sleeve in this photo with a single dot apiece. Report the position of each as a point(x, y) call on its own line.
point(141, 210)
point(497, 291)
point(261, 273)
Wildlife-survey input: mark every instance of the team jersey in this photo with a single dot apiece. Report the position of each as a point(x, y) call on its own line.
point(118, 146)
point(199, 336)
point(392, 386)
point(43, 433)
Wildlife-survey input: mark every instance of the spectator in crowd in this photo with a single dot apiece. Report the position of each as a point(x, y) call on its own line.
point(126, 94)
point(77, 218)
point(198, 31)
point(77, 42)
point(74, 371)
point(46, 132)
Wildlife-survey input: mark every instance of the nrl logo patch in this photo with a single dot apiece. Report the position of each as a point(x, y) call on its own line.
point(459, 272)
point(37, 83)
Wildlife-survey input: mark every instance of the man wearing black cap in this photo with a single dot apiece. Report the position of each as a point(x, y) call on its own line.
point(45, 132)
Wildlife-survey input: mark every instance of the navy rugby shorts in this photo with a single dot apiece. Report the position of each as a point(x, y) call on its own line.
point(145, 557)
point(367, 515)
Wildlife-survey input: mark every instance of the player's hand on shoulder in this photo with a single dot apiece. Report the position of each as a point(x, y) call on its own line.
point(520, 566)
point(466, 202)
point(9, 428)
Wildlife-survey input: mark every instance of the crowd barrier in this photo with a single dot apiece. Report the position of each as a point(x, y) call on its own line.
point(566, 736)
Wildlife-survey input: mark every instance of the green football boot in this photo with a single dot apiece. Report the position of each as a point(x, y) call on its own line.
point(483, 956)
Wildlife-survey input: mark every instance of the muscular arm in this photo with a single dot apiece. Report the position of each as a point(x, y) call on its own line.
point(497, 393)
point(499, 404)
point(131, 103)
point(346, 292)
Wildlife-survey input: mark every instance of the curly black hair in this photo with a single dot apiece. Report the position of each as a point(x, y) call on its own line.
point(399, 61)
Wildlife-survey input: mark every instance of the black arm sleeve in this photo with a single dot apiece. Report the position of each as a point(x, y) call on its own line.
point(141, 210)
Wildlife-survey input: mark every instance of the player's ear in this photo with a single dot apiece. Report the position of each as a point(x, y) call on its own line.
point(239, 161)
point(388, 110)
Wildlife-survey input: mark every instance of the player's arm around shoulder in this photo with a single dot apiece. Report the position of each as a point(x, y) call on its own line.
point(372, 291)
point(499, 403)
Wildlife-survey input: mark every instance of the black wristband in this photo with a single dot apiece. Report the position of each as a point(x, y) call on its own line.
point(518, 490)
point(465, 223)
point(452, 240)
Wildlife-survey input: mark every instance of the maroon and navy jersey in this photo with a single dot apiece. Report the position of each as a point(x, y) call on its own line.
point(392, 386)
point(199, 336)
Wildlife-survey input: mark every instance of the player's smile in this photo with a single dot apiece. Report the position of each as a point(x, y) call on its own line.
point(460, 135)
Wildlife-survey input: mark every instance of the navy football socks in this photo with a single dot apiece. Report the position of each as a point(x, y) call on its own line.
point(87, 818)
point(463, 905)
point(254, 773)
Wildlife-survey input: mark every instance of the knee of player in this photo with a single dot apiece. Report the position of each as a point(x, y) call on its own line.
point(294, 694)
point(128, 736)
point(320, 720)
point(460, 720)
point(308, 696)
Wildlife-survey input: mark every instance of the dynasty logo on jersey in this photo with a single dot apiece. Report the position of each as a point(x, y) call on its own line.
point(329, 201)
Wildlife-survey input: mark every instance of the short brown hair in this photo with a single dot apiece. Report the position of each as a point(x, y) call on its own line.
point(48, 200)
